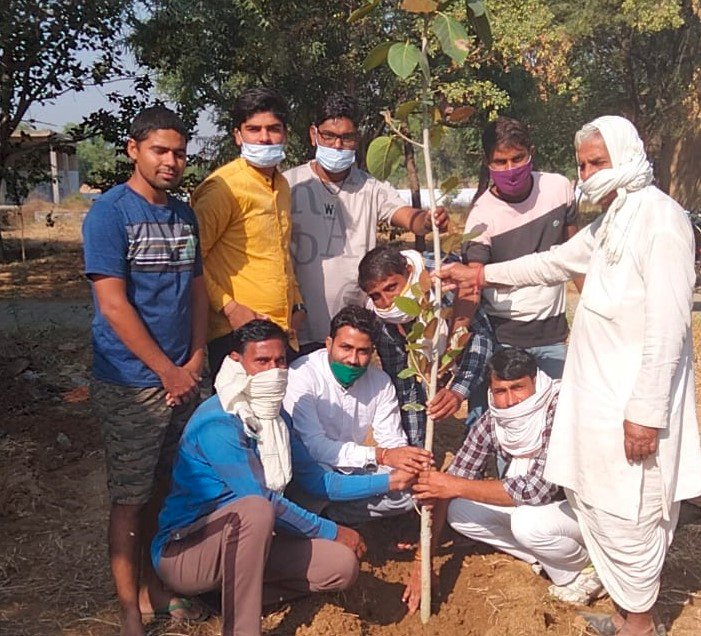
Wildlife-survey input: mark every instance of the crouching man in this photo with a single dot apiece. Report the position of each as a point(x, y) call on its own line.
point(225, 524)
point(336, 399)
point(521, 514)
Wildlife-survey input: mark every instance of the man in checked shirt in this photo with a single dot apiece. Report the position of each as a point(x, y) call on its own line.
point(521, 513)
point(385, 273)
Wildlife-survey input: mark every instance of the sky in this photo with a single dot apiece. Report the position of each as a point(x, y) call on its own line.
point(72, 107)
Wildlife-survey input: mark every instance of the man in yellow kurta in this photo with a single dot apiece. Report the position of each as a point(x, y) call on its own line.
point(243, 209)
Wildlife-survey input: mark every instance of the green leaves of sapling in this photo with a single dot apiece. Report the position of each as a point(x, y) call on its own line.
point(403, 58)
point(383, 156)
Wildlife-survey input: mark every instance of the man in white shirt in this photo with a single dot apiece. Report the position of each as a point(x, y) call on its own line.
point(337, 399)
point(625, 442)
point(335, 211)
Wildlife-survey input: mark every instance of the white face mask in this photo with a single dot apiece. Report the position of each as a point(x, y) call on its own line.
point(265, 391)
point(263, 155)
point(393, 314)
point(334, 160)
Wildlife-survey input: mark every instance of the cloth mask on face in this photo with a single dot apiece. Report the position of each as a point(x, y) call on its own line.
point(263, 155)
point(519, 428)
point(334, 160)
point(513, 182)
point(630, 171)
point(393, 314)
point(256, 400)
point(346, 374)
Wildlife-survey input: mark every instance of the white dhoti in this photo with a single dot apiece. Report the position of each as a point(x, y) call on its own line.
point(548, 533)
point(628, 555)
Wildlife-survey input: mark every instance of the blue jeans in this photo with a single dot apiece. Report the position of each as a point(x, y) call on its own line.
point(551, 360)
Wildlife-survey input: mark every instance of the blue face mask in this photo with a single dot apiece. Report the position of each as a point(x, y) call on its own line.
point(263, 155)
point(333, 160)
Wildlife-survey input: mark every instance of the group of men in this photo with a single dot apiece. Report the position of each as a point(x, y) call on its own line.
point(257, 492)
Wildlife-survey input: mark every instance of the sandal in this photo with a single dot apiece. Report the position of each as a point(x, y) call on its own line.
point(200, 613)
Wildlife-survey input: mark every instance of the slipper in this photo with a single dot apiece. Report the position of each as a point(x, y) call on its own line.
point(602, 624)
point(178, 605)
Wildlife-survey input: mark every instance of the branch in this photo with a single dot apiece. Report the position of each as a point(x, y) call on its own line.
point(399, 133)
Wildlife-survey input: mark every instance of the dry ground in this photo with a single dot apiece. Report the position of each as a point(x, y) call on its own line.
point(53, 563)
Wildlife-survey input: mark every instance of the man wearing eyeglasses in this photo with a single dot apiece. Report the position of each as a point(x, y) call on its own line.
point(517, 211)
point(335, 211)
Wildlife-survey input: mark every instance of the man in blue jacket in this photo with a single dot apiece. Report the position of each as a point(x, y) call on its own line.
point(226, 524)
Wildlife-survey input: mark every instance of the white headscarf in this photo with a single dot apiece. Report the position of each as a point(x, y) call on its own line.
point(630, 171)
point(519, 428)
point(256, 400)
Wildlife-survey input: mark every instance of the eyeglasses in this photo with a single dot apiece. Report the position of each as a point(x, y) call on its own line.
point(348, 140)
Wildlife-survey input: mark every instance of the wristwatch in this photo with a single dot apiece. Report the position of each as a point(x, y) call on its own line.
point(299, 307)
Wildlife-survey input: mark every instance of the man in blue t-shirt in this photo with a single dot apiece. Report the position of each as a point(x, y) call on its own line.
point(143, 261)
point(226, 525)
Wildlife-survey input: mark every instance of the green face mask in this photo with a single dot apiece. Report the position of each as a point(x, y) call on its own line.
point(346, 374)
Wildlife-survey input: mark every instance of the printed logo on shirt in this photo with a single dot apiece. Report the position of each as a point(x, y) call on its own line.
point(556, 222)
point(329, 209)
point(155, 247)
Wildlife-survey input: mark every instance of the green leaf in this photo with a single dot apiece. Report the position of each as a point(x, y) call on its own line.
point(477, 14)
point(404, 110)
point(408, 305)
point(435, 135)
point(450, 34)
point(450, 184)
point(419, 6)
point(403, 58)
point(409, 372)
point(360, 13)
point(449, 356)
point(416, 332)
point(413, 406)
point(377, 56)
point(383, 156)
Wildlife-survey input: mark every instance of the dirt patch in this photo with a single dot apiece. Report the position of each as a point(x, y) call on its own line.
point(54, 576)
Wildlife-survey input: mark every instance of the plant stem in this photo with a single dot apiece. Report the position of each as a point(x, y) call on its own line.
point(426, 559)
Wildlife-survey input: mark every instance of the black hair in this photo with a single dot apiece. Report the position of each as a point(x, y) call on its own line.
point(259, 100)
point(379, 263)
point(156, 118)
point(503, 131)
point(337, 105)
point(512, 363)
point(256, 331)
point(359, 318)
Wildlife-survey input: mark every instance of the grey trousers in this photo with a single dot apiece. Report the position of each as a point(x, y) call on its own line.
point(234, 549)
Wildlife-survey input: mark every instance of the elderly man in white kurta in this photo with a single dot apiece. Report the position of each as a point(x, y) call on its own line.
point(337, 399)
point(625, 441)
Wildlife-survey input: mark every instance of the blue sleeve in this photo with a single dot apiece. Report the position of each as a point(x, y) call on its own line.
point(236, 463)
point(105, 242)
point(328, 484)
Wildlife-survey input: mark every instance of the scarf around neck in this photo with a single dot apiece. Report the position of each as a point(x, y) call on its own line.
point(256, 400)
point(519, 428)
point(630, 171)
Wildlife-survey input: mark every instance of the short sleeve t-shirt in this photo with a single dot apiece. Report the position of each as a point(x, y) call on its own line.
point(528, 316)
point(333, 227)
point(155, 250)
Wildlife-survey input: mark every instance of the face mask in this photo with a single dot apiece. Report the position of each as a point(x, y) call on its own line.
point(263, 155)
point(513, 182)
point(265, 391)
point(333, 160)
point(346, 374)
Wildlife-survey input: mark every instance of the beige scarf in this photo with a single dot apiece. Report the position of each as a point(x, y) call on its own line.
point(256, 400)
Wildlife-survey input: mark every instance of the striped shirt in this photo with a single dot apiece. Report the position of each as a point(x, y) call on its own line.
point(481, 443)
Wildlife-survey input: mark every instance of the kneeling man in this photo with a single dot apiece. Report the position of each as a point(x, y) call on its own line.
point(521, 514)
point(336, 399)
point(225, 524)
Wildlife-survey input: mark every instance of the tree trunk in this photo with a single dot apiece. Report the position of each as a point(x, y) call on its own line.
point(415, 188)
point(677, 167)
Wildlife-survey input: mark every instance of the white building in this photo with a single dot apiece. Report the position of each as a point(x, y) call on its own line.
point(56, 152)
